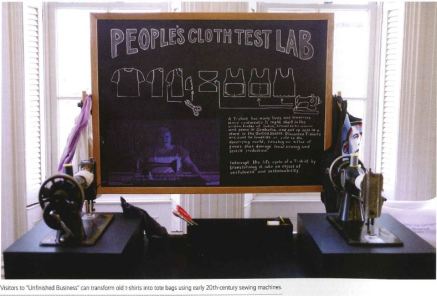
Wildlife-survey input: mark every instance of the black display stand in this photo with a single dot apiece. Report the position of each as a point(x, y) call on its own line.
point(115, 255)
point(231, 238)
point(327, 254)
point(225, 249)
point(232, 248)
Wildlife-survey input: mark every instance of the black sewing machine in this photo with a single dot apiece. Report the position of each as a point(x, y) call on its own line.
point(62, 198)
point(361, 203)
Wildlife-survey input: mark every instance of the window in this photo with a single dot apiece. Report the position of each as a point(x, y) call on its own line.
point(367, 73)
point(351, 48)
point(72, 57)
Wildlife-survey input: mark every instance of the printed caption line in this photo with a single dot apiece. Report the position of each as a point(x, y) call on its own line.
point(276, 294)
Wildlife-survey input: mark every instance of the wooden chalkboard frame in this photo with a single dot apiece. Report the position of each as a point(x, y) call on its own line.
point(329, 17)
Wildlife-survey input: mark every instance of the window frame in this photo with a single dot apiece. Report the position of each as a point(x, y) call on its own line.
point(375, 13)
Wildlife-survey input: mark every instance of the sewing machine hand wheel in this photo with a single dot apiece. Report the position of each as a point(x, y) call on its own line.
point(336, 168)
point(62, 198)
point(59, 194)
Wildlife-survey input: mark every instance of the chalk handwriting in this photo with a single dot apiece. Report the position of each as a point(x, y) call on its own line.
point(136, 40)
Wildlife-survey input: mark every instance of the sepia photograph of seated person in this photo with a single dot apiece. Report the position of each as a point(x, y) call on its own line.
point(165, 160)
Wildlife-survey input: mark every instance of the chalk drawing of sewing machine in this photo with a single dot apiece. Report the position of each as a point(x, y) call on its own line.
point(307, 105)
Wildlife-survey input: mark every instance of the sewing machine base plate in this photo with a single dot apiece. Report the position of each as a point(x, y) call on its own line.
point(356, 233)
point(94, 226)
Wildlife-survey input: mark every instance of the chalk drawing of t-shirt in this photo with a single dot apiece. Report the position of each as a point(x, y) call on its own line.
point(259, 86)
point(284, 85)
point(128, 82)
point(175, 83)
point(156, 80)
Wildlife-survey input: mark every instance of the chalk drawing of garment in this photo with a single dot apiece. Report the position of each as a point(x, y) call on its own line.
point(156, 80)
point(284, 85)
point(175, 85)
point(128, 82)
point(208, 81)
point(234, 85)
point(259, 86)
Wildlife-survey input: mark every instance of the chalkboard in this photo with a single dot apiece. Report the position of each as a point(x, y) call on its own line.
point(211, 103)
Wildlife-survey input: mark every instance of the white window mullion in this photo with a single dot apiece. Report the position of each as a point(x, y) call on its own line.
point(370, 140)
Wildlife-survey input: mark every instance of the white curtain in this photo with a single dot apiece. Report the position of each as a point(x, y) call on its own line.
point(416, 173)
point(13, 174)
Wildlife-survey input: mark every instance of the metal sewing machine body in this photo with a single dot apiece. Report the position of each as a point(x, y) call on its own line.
point(62, 198)
point(351, 208)
point(360, 203)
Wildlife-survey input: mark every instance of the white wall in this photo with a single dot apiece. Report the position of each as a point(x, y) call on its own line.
point(158, 207)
